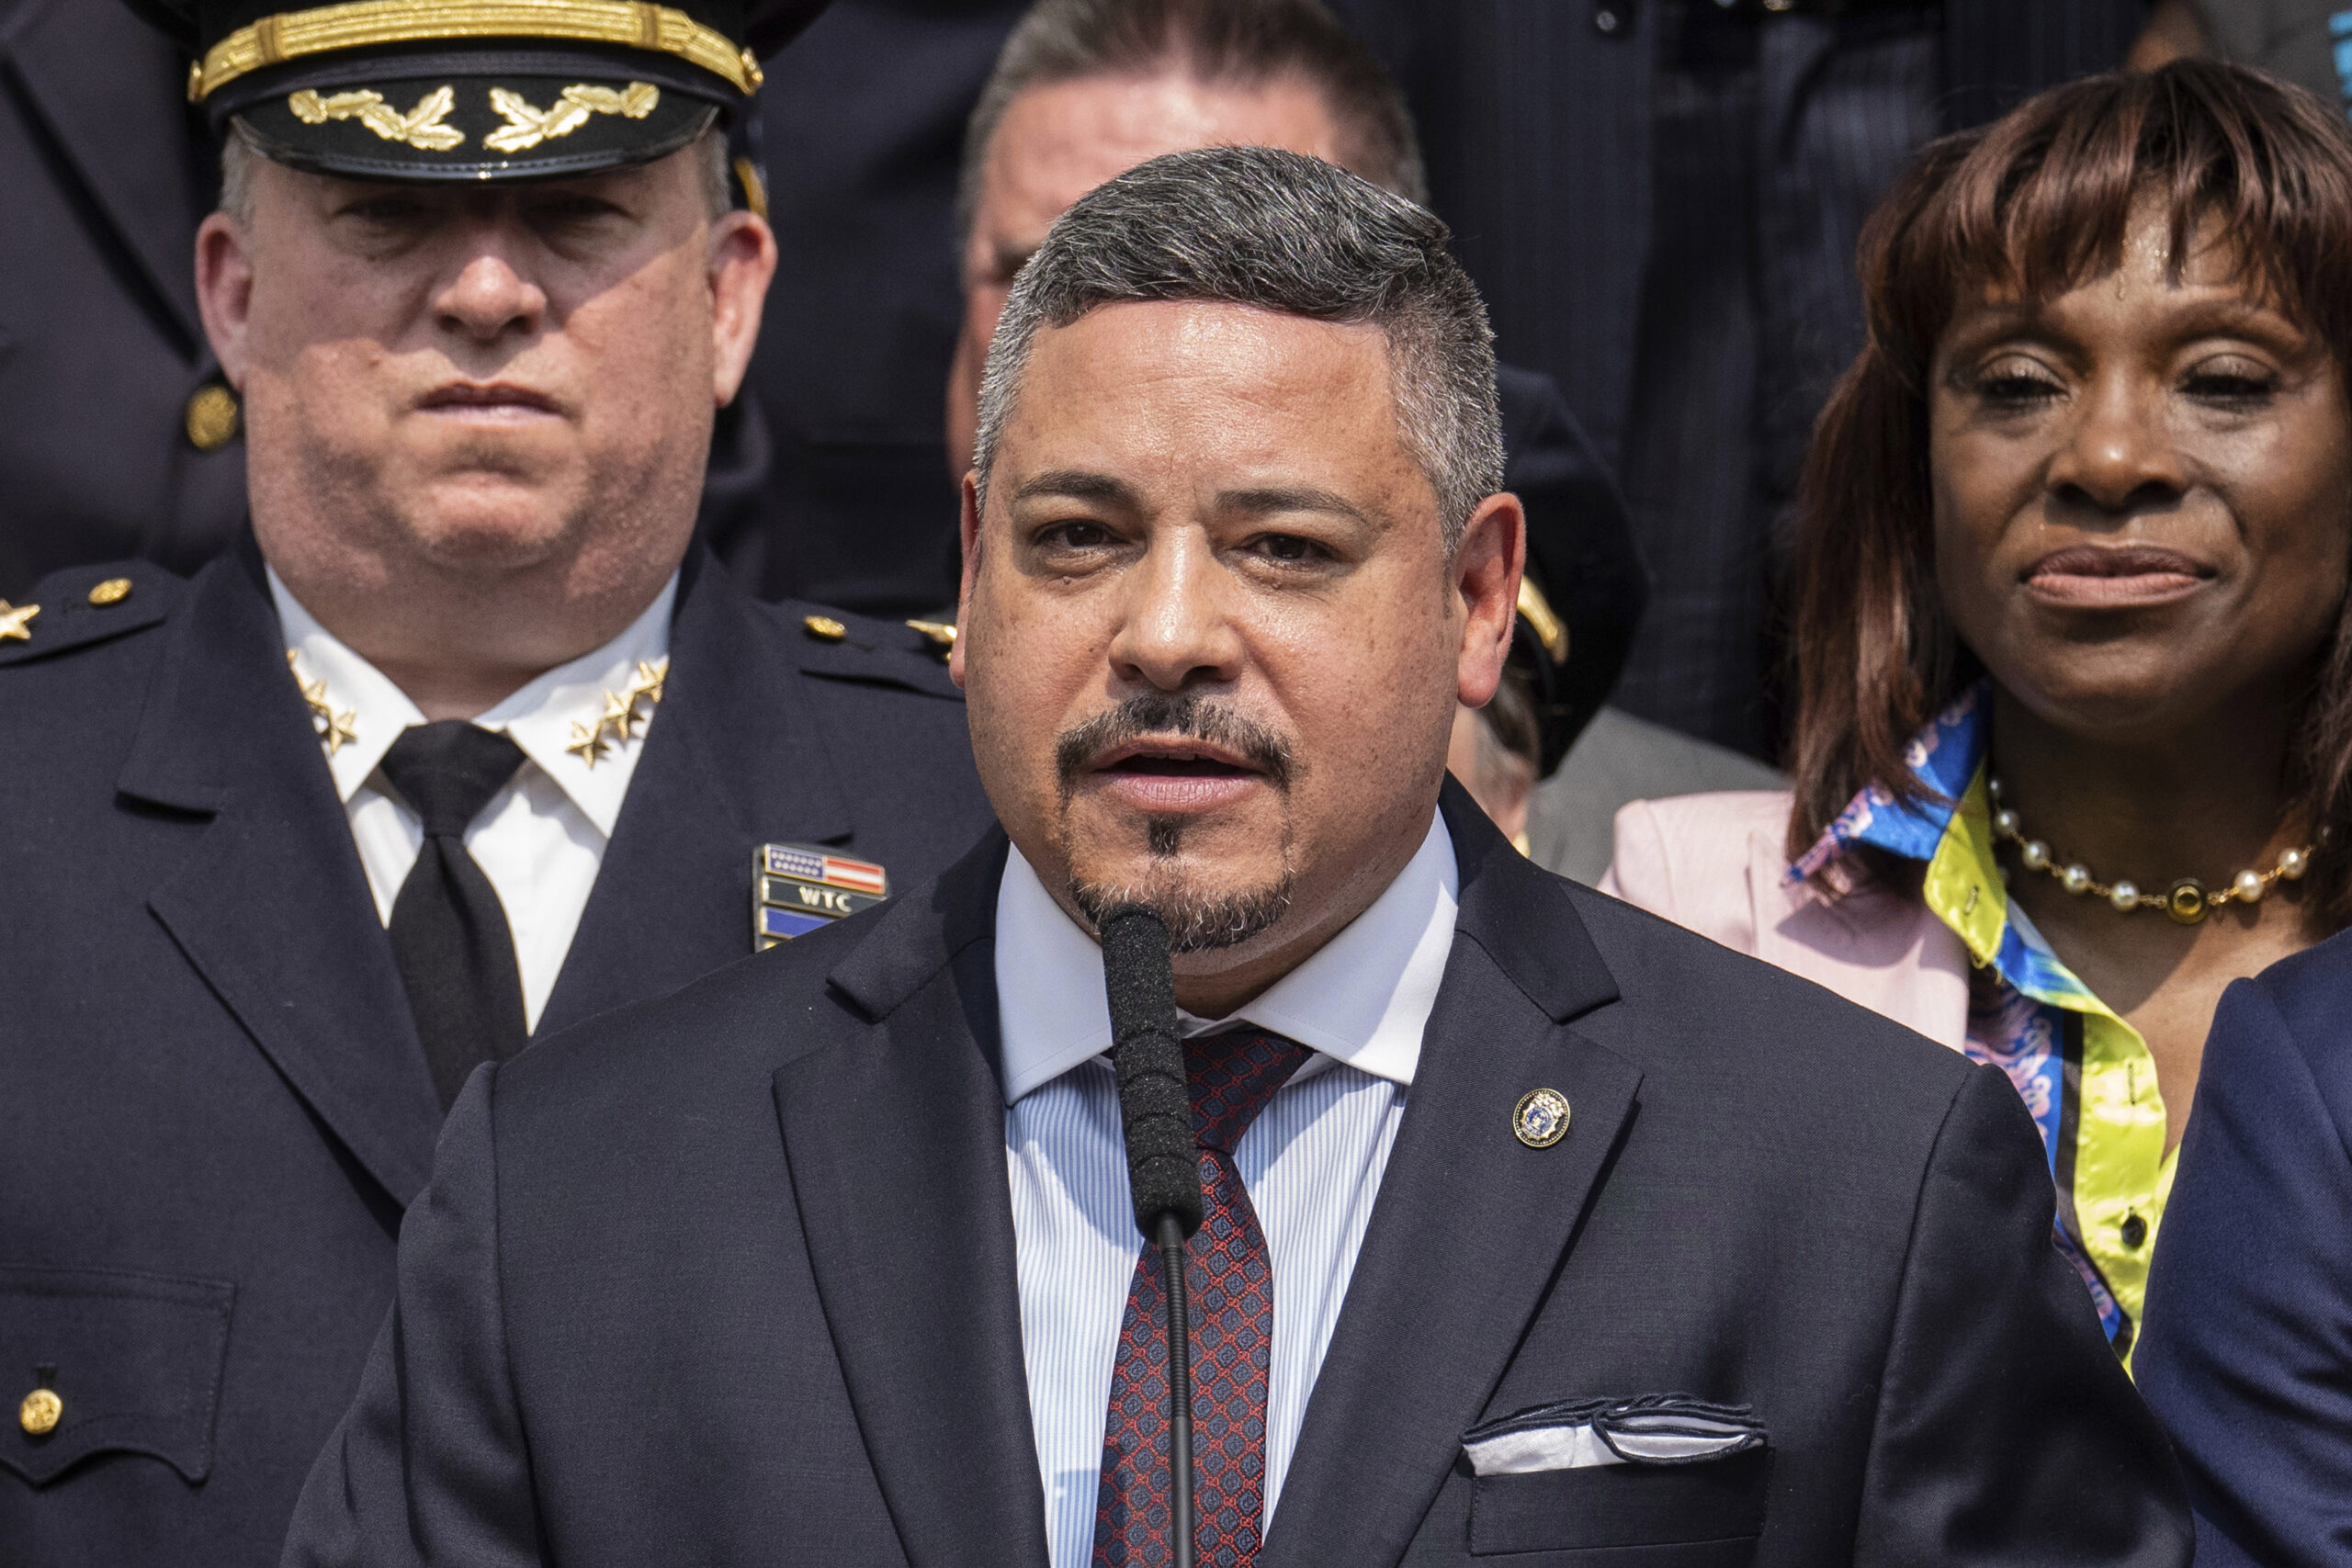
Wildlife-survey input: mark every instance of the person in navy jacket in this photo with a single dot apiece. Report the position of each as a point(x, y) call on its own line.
point(2248, 1350)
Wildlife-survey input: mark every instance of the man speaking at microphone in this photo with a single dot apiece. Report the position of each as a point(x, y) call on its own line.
point(1533, 1225)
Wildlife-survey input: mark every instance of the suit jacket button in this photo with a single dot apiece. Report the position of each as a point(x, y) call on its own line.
point(212, 417)
point(40, 1413)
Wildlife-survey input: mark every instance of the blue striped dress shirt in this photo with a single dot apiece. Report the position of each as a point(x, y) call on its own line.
point(1312, 1162)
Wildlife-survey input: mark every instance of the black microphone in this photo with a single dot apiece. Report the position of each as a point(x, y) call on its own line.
point(1163, 1169)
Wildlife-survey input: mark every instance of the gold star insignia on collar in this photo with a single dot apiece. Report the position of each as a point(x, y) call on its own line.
point(588, 742)
point(620, 712)
point(620, 720)
point(13, 618)
point(649, 679)
point(333, 729)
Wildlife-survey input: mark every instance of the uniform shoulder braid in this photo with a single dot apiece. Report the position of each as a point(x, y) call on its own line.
point(81, 606)
point(845, 645)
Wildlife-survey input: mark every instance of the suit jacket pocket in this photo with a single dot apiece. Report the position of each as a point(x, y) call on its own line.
point(135, 1361)
point(1622, 1506)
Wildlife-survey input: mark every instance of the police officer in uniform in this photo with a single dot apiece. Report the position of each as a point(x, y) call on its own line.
point(459, 744)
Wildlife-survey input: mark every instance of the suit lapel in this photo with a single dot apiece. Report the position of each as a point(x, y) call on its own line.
point(110, 90)
point(1471, 1225)
point(272, 908)
point(896, 1145)
point(728, 766)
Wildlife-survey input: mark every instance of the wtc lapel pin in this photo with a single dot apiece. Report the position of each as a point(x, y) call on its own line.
point(1540, 1118)
point(798, 888)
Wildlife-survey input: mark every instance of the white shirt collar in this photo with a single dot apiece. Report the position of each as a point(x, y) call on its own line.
point(540, 717)
point(1363, 998)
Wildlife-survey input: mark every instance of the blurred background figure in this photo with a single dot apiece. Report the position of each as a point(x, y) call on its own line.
point(2074, 740)
point(1086, 89)
point(2308, 42)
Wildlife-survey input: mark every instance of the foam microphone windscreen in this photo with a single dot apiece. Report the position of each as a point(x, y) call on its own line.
point(1153, 1104)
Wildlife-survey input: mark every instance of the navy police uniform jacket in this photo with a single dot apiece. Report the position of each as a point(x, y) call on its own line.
point(219, 1108)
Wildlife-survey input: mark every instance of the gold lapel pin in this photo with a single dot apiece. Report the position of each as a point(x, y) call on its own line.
point(1540, 1118)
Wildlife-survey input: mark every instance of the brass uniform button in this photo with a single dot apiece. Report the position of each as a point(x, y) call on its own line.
point(212, 417)
point(825, 628)
point(940, 633)
point(113, 590)
point(40, 1413)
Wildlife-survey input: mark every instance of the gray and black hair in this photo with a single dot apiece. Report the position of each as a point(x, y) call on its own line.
point(1245, 42)
point(238, 156)
point(1278, 231)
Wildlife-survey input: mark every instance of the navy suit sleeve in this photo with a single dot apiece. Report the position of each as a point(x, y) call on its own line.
point(2248, 1352)
point(2007, 1431)
point(429, 1465)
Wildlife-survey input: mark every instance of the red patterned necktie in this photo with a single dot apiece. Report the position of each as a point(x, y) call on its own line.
point(1231, 1294)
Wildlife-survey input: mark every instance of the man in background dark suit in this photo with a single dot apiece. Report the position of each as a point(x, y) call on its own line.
point(1531, 1225)
point(459, 743)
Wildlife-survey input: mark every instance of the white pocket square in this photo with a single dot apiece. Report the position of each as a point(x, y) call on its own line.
point(1658, 1428)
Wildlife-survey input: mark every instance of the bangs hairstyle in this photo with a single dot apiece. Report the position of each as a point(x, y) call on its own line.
point(2036, 204)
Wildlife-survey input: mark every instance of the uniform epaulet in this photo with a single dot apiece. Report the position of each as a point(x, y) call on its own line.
point(863, 647)
point(85, 604)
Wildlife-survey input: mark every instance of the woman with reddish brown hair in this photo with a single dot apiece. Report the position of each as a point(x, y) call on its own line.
point(2074, 738)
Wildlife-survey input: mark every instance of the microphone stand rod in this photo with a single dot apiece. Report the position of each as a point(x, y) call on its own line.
point(1179, 1389)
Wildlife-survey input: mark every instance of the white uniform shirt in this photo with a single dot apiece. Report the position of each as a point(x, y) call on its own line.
point(1311, 1163)
point(542, 837)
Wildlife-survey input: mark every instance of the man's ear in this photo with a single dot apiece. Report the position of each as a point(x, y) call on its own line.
point(1486, 565)
point(968, 537)
point(742, 259)
point(224, 292)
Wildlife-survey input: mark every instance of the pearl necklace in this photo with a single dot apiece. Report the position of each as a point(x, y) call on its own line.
point(2188, 900)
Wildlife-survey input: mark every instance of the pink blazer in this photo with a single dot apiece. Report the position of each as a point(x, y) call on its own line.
point(1714, 863)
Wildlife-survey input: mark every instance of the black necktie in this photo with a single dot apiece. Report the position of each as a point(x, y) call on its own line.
point(449, 934)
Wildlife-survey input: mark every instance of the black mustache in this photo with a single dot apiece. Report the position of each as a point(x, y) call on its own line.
point(1184, 716)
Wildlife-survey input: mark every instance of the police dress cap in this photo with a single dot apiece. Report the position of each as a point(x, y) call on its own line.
point(474, 89)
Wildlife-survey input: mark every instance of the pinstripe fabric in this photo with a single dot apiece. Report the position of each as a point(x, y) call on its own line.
point(1311, 1163)
point(1772, 138)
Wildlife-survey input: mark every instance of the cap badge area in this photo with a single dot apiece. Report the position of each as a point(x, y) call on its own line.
point(420, 127)
point(526, 125)
point(1540, 1118)
point(425, 126)
point(798, 888)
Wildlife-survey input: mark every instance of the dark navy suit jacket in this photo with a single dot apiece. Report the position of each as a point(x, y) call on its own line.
point(2247, 1351)
point(217, 1103)
point(729, 1278)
